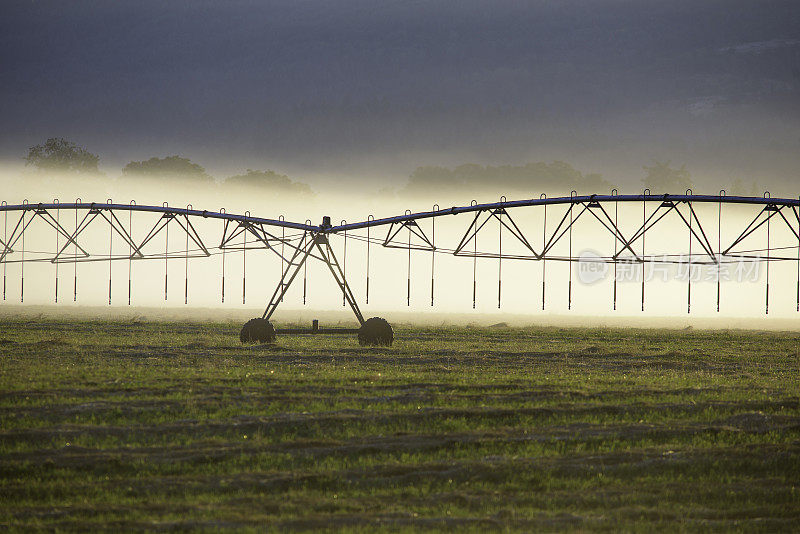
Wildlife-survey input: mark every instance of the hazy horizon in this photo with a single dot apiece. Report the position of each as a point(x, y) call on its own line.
point(354, 93)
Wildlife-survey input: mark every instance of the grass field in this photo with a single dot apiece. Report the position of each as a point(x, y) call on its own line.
point(141, 425)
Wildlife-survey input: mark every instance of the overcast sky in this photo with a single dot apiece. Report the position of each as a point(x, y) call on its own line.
point(322, 89)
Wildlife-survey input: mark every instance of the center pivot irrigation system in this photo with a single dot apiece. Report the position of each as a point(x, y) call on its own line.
point(67, 224)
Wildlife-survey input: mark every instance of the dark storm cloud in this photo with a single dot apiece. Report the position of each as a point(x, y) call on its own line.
point(317, 82)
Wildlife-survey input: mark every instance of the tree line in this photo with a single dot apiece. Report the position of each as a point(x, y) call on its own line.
point(58, 154)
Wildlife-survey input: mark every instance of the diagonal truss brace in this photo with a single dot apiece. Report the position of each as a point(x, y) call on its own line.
point(670, 206)
point(475, 227)
point(16, 234)
point(318, 241)
point(414, 229)
point(268, 239)
point(772, 210)
point(19, 229)
point(161, 225)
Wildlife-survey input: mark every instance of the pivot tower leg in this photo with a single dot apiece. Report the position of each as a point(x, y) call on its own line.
point(318, 241)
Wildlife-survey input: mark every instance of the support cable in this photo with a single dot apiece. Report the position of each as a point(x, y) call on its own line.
point(474, 261)
point(110, 251)
point(22, 263)
point(5, 245)
point(433, 249)
point(58, 225)
point(766, 295)
point(166, 252)
point(614, 192)
point(369, 218)
point(283, 243)
point(306, 236)
point(689, 286)
point(797, 216)
point(224, 232)
point(544, 244)
point(500, 251)
point(408, 276)
point(244, 260)
point(645, 193)
point(130, 251)
point(719, 246)
point(572, 195)
point(344, 263)
point(75, 255)
point(186, 262)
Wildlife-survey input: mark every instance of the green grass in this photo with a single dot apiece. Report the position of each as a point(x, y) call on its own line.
point(134, 425)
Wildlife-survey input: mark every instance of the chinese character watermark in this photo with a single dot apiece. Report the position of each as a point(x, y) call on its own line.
point(593, 268)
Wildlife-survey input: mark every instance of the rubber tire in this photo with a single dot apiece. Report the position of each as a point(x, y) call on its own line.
point(376, 331)
point(257, 330)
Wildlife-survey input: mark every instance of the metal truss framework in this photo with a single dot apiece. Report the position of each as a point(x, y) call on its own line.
point(312, 241)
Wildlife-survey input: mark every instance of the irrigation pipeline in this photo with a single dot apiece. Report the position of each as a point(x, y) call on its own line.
point(439, 212)
point(26, 206)
point(308, 241)
point(577, 199)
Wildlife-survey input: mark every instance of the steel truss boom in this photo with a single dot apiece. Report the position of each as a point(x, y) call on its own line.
point(243, 232)
point(455, 210)
point(156, 209)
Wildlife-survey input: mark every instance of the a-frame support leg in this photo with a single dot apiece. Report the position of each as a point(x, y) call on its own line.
point(283, 286)
point(295, 263)
point(338, 274)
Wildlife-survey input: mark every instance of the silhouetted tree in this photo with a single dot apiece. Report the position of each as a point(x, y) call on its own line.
point(58, 154)
point(739, 188)
point(661, 178)
point(168, 167)
point(268, 180)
